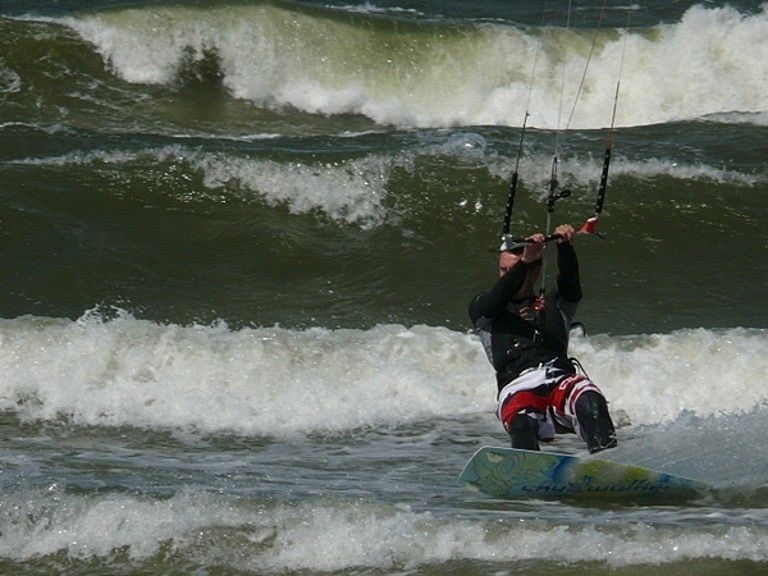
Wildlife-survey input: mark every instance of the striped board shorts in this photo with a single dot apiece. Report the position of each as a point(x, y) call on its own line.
point(548, 395)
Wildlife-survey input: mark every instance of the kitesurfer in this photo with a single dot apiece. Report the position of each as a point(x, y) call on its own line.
point(525, 337)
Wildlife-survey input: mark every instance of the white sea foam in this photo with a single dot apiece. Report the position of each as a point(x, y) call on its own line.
point(578, 170)
point(251, 381)
point(717, 448)
point(714, 60)
point(79, 158)
point(355, 191)
point(332, 536)
point(755, 118)
point(233, 137)
point(10, 81)
point(371, 8)
point(48, 129)
point(698, 172)
point(339, 538)
point(658, 377)
point(584, 171)
point(43, 523)
point(350, 191)
point(257, 380)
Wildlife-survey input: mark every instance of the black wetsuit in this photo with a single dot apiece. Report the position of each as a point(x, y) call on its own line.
point(517, 337)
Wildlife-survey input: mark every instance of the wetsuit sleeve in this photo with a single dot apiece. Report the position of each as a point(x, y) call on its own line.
point(492, 302)
point(568, 283)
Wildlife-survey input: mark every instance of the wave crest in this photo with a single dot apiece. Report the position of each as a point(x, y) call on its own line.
point(276, 381)
point(437, 75)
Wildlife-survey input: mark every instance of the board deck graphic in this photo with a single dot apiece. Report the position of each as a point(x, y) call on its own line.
point(513, 474)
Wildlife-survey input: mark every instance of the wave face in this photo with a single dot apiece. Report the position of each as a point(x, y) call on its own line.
point(274, 381)
point(355, 190)
point(425, 73)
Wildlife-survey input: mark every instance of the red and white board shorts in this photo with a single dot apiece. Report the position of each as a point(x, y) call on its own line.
point(547, 395)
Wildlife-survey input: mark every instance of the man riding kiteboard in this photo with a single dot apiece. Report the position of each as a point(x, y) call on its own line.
point(526, 340)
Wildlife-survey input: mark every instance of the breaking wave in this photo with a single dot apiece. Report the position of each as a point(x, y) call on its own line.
point(417, 74)
point(276, 381)
point(356, 190)
point(333, 536)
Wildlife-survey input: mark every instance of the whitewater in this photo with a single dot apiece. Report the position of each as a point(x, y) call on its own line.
point(354, 191)
point(258, 381)
point(709, 62)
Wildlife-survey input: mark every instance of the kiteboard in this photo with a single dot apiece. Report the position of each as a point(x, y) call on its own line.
point(518, 474)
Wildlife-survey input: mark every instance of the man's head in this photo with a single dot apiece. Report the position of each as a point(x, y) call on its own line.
point(510, 252)
point(509, 258)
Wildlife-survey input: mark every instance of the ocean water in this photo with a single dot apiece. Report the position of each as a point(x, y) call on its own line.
point(238, 240)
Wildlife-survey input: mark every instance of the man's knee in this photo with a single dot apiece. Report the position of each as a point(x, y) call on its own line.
point(524, 432)
point(595, 424)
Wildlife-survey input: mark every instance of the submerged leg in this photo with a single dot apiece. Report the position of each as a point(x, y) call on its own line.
point(595, 422)
point(524, 432)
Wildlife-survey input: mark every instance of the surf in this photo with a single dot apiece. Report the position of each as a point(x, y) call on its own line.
point(426, 74)
point(338, 535)
point(124, 371)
